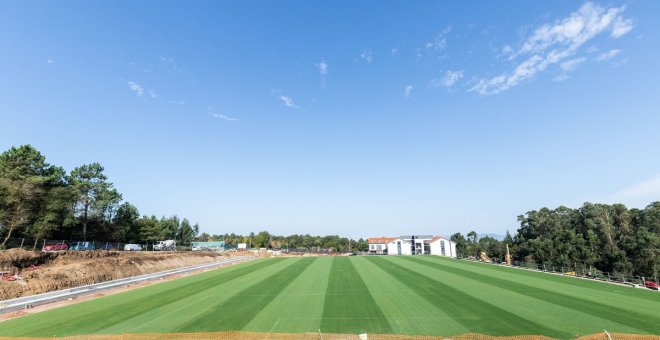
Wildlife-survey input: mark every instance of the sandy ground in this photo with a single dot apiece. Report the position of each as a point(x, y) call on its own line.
point(41, 272)
point(92, 296)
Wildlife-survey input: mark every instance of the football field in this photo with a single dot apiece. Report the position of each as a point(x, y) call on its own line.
point(420, 295)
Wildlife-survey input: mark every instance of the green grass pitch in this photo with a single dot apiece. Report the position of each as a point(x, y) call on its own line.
point(419, 295)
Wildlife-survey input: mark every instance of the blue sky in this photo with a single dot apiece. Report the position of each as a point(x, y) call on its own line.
point(361, 118)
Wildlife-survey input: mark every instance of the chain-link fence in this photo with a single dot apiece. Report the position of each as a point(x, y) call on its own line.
point(331, 336)
point(581, 271)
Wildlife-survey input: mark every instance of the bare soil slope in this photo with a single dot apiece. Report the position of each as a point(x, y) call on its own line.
point(54, 271)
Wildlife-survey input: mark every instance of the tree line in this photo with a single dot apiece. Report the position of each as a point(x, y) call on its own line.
point(39, 200)
point(264, 239)
point(610, 238)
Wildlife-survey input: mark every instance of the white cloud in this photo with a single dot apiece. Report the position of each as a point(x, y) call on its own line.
point(152, 94)
point(437, 44)
point(448, 79)
point(288, 102)
point(440, 41)
point(572, 64)
point(621, 27)
point(323, 68)
point(394, 52)
point(137, 89)
point(608, 55)
point(639, 194)
point(407, 91)
point(553, 43)
point(367, 55)
point(561, 77)
point(50, 61)
point(214, 114)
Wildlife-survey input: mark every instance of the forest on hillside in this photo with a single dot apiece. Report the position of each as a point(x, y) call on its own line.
point(39, 200)
point(610, 238)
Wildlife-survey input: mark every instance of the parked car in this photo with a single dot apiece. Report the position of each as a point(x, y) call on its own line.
point(107, 246)
point(165, 245)
point(132, 247)
point(55, 247)
point(82, 246)
point(652, 285)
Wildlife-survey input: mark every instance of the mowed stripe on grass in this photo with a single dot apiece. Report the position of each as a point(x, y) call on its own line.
point(649, 322)
point(610, 294)
point(168, 317)
point(553, 316)
point(237, 311)
point(349, 307)
point(299, 307)
point(406, 310)
point(96, 315)
point(475, 314)
point(387, 294)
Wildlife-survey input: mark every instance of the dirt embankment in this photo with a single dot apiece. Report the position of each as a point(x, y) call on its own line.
point(40, 272)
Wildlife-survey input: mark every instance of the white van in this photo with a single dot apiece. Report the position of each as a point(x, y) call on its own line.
point(132, 247)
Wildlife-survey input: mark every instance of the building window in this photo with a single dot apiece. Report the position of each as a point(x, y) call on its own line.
point(380, 247)
point(442, 247)
point(371, 246)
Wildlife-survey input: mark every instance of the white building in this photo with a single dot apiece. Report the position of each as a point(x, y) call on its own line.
point(443, 247)
point(378, 245)
point(414, 245)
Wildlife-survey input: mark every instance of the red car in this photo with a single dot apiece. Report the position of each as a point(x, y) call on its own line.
point(55, 247)
point(651, 285)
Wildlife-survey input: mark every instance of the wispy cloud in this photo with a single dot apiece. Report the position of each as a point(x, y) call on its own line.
point(407, 91)
point(608, 55)
point(572, 64)
point(152, 94)
point(553, 43)
point(50, 61)
point(621, 27)
point(287, 101)
point(367, 55)
point(639, 194)
point(323, 67)
point(214, 114)
point(169, 65)
point(178, 102)
point(323, 71)
point(440, 40)
point(136, 88)
point(448, 79)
